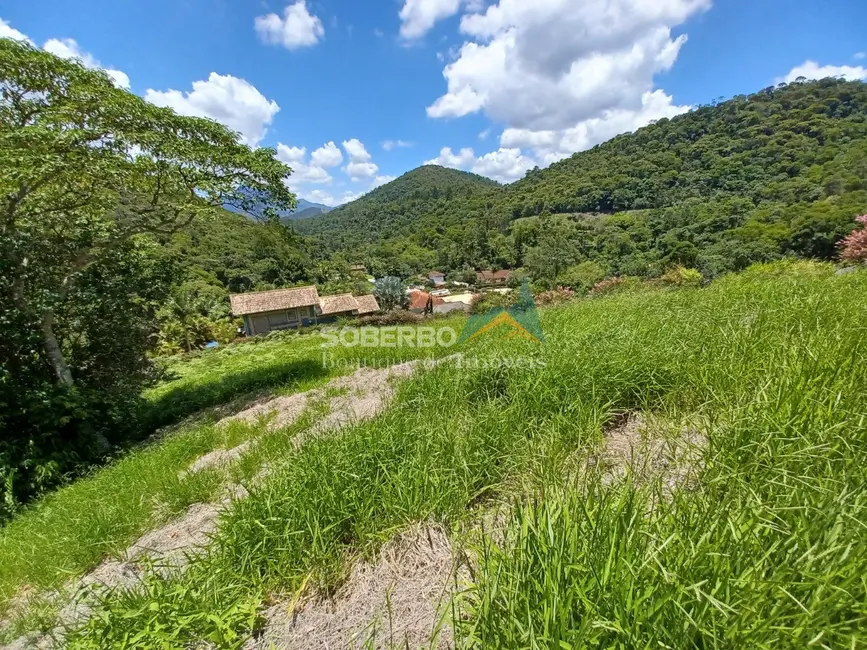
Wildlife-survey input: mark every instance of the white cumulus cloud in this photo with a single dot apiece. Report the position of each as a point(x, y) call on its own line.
point(7, 31)
point(447, 158)
point(356, 150)
point(328, 155)
point(302, 170)
point(361, 170)
point(291, 155)
point(296, 28)
point(562, 76)
point(812, 70)
point(553, 145)
point(418, 16)
point(382, 180)
point(505, 164)
point(67, 48)
point(360, 165)
point(229, 100)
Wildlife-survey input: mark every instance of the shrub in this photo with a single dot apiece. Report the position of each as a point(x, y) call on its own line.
point(854, 247)
point(486, 301)
point(582, 277)
point(680, 276)
point(555, 296)
point(615, 285)
point(393, 317)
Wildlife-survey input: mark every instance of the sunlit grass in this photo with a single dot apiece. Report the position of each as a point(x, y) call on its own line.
point(71, 530)
point(766, 550)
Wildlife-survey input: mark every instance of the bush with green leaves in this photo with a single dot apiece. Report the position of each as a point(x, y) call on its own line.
point(680, 276)
point(390, 293)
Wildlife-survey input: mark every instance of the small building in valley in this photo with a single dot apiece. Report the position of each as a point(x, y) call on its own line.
point(493, 278)
point(438, 278)
point(281, 309)
point(346, 305)
point(421, 302)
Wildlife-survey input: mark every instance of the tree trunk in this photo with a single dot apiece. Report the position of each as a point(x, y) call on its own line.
point(52, 349)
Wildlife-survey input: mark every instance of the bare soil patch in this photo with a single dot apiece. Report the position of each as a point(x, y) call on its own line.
point(635, 443)
point(351, 399)
point(400, 600)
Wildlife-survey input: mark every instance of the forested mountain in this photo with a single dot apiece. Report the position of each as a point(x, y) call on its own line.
point(780, 172)
point(140, 263)
point(429, 192)
point(306, 213)
point(305, 210)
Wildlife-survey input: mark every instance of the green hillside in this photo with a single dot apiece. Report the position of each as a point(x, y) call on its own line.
point(428, 198)
point(781, 172)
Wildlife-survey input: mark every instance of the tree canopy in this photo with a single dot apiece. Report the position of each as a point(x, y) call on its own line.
point(94, 179)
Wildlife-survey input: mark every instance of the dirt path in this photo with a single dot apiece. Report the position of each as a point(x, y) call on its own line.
point(350, 399)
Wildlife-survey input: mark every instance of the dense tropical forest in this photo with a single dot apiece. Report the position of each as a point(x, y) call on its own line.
point(779, 173)
point(116, 244)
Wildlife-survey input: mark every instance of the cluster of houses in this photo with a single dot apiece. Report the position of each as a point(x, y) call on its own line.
point(483, 278)
point(280, 309)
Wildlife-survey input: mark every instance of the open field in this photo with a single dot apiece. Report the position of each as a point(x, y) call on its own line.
point(740, 524)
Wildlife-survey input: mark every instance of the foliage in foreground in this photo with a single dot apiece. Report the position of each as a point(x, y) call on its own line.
point(93, 179)
point(767, 550)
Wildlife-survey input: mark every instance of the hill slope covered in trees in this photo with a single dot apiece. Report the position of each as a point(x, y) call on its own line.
point(780, 172)
point(429, 196)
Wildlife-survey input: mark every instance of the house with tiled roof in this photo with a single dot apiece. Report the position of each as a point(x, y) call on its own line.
point(438, 278)
point(421, 302)
point(280, 309)
point(367, 304)
point(495, 278)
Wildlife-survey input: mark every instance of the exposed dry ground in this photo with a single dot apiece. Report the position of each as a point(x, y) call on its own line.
point(402, 597)
point(638, 443)
point(350, 399)
point(400, 600)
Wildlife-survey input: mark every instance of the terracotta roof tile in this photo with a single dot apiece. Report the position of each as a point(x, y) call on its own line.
point(367, 304)
point(418, 299)
point(261, 301)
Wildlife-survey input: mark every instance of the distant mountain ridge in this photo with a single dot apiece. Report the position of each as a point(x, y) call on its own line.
point(304, 210)
point(780, 172)
point(394, 208)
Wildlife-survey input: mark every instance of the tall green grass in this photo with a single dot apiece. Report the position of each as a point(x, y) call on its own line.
point(767, 550)
point(71, 530)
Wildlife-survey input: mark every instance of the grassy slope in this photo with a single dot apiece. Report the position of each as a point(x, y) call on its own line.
point(769, 551)
point(72, 529)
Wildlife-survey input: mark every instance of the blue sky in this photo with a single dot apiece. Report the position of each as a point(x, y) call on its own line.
point(491, 86)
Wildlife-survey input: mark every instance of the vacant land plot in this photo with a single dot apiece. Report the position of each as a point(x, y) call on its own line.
point(678, 468)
